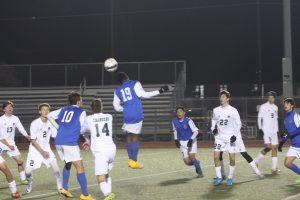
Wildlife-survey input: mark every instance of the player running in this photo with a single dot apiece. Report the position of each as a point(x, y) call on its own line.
point(268, 125)
point(39, 150)
point(292, 126)
point(8, 125)
point(102, 146)
point(127, 99)
point(185, 135)
point(70, 121)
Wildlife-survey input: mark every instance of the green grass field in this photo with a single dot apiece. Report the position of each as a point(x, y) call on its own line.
point(166, 177)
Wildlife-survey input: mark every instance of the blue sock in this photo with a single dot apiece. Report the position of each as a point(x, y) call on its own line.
point(83, 183)
point(66, 176)
point(129, 150)
point(295, 169)
point(196, 163)
point(135, 150)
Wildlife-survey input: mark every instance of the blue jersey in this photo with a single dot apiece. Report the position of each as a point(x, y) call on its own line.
point(132, 104)
point(183, 129)
point(292, 130)
point(69, 126)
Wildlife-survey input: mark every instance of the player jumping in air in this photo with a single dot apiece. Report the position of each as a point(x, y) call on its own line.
point(70, 121)
point(102, 146)
point(185, 135)
point(268, 126)
point(39, 150)
point(8, 125)
point(292, 126)
point(127, 99)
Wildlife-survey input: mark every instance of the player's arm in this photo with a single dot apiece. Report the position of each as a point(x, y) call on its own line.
point(141, 93)
point(117, 103)
point(52, 116)
point(195, 131)
point(4, 141)
point(238, 125)
point(84, 129)
point(260, 119)
point(177, 143)
point(21, 128)
point(33, 137)
point(214, 121)
point(276, 122)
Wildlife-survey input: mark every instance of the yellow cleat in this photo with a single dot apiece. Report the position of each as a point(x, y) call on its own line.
point(130, 162)
point(82, 197)
point(111, 196)
point(24, 182)
point(66, 193)
point(135, 165)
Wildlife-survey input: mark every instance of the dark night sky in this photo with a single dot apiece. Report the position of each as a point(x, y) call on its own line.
point(218, 38)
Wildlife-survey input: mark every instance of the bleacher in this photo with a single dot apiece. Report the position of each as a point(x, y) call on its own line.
point(157, 111)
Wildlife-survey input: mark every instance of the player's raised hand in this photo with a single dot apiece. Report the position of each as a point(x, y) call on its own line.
point(164, 88)
point(45, 154)
point(232, 139)
point(190, 143)
point(177, 143)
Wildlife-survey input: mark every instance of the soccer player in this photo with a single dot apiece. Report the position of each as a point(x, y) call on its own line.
point(127, 99)
point(8, 125)
point(292, 126)
point(185, 135)
point(102, 146)
point(268, 125)
point(39, 150)
point(70, 121)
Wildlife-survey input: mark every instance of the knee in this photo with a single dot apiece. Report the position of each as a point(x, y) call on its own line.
point(287, 164)
point(68, 165)
point(187, 161)
point(101, 178)
point(20, 163)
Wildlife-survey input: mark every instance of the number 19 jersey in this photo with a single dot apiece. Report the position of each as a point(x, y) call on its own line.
point(100, 127)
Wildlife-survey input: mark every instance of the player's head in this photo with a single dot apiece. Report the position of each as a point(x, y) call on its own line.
point(97, 106)
point(8, 107)
point(224, 96)
point(271, 97)
point(180, 112)
point(44, 109)
point(289, 104)
point(122, 77)
point(74, 98)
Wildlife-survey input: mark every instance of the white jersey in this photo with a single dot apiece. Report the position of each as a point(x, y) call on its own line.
point(227, 120)
point(100, 127)
point(41, 132)
point(268, 118)
point(8, 125)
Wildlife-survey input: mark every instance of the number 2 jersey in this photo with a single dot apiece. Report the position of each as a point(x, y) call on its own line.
point(70, 120)
point(228, 122)
point(100, 127)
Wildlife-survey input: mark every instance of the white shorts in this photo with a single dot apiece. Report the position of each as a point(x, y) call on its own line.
point(10, 153)
point(1, 160)
point(68, 153)
point(271, 138)
point(133, 128)
point(239, 144)
point(104, 160)
point(224, 146)
point(185, 151)
point(293, 152)
point(35, 158)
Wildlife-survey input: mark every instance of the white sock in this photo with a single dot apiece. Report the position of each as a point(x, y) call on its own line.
point(231, 171)
point(22, 175)
point(28, 175)
point(57, 174)
point(108, 182)
point(218, 172)
point(104, 188)
point(274, 163)
point(13, 187)
point(259, 158)
point(254, 167)
point(223, 173)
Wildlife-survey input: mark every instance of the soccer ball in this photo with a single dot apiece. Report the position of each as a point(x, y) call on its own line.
point(110, 65)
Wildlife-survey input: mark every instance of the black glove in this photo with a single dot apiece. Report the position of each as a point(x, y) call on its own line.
point(177, 143)
point(190, 143)
point(215, 131)
point(261, 132)
point(232, 139)
point(163, 89)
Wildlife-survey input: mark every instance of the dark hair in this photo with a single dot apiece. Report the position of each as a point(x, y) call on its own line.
point(7, 103)
point(271, 93)
point(122, 77)
point(225, 92)
point(180, 108)
point(290, 100)
point(73, 98)
point(44, 105)
point(97, 106)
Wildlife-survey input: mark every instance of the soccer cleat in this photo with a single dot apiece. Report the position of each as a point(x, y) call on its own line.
point(229, 182)
point(298, 181)
point(135, 165)
point(276, 171)
point(28, 188)
point(218, 181)
point(16, 195)
point(89, 197)
point(66, 193)
point(111, 196)
point(261, 176)
point(24, 182)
